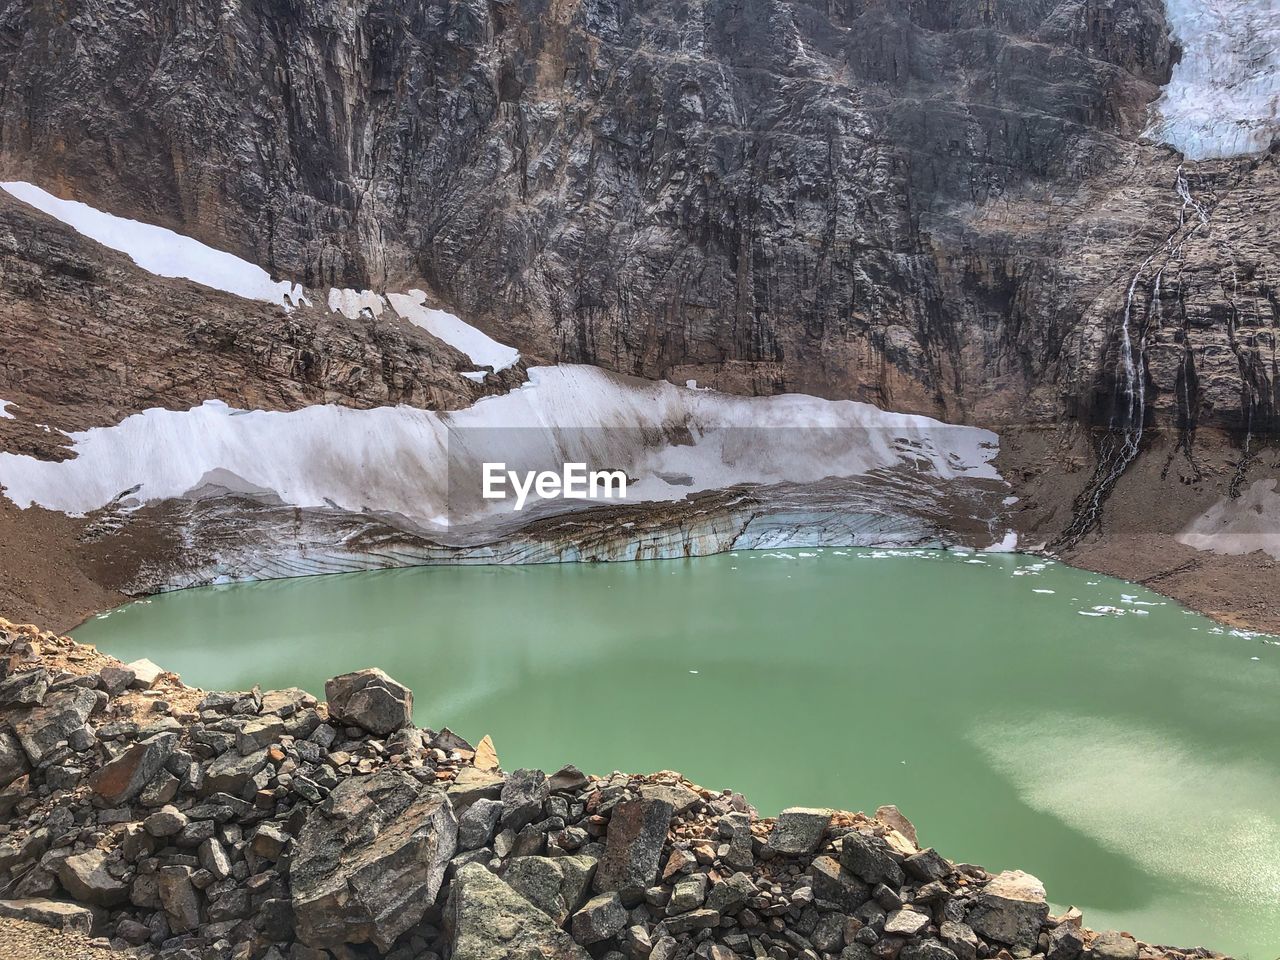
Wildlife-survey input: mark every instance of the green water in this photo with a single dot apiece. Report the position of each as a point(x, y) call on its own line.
point(1128, 759)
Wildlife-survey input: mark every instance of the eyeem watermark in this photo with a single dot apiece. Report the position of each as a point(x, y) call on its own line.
point(573, 482)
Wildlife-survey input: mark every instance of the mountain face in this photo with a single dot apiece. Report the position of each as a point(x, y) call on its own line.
point(958, 208)
point(935, 205)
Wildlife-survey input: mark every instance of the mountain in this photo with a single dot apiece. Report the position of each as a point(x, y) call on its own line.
point(1049, 220)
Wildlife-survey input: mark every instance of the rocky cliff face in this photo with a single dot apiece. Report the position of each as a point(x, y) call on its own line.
point(938, 206)
point(934, 205)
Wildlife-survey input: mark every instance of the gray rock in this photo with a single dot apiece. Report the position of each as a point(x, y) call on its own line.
point(1066, 942)
point(927, 865)
point(1112, 945)
point(689, 893)
point(168, 821)
point(731, 895)
point(471, 785)
point(477, 824)
point(369, 861)
point(868, 859)
point(568, 779)
point(836, 885)
point(928, 949)
point(230, 772)
point(637, 832)
point(906, 923)
point(213, 857)
point(1010, 910)
point(681, 798)
point(85, 877)
point(739, 851)
point(162, 789)
point(58, 914)
point(371, 700)
point(258, 733)
point(41, 728)
point(523, 795)
point(485, 919)
point(25, 688)
point(179, 898)
point(960, 939)
point(13, 761)
point(124, 778)
point(602, 917)
point(269, 841)
point(799, 831)
point(115, 680)
point(540, 881)
point(828, 935)
point(145, 674)
point(693, 920)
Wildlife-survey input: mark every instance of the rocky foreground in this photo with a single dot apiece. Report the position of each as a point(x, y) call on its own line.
point(178, 824)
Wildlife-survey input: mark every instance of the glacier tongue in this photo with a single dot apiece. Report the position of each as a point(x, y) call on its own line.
point(1223, 98)
point(426, 466)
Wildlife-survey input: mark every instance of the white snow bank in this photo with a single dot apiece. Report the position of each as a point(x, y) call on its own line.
point(161, 251)
point(4, 410)
point(1222, 100)
point(483, 350)
point(350, 303)
point(426, 466)
point(1248, 523)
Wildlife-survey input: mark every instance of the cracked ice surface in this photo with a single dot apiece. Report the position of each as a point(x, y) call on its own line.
point(1222, 100)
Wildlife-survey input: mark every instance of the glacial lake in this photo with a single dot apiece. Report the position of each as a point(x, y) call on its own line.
point(1022, 713)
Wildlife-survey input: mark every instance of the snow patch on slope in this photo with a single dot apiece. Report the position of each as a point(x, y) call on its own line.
point(169, 254)
point(161, 251)
point(483, 350)
point(4, 410)
point(1249, 522)
point(1224, 96)
point(426, 466)
point(350, 303)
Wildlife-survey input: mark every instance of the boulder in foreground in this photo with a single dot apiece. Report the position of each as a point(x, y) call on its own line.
point(371, 700)
point(369, 861)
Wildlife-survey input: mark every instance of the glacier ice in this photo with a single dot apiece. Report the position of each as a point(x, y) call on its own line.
point(1222, 100)
point(420, 464)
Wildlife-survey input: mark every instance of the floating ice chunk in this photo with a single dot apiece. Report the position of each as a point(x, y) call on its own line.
point(1222, 98)
point(475, 343)
point(1042, 590)
point(161, 251)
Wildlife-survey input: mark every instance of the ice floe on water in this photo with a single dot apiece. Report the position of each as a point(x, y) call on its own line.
point(1222, 98)
point(162, 251)
point(425, 466)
